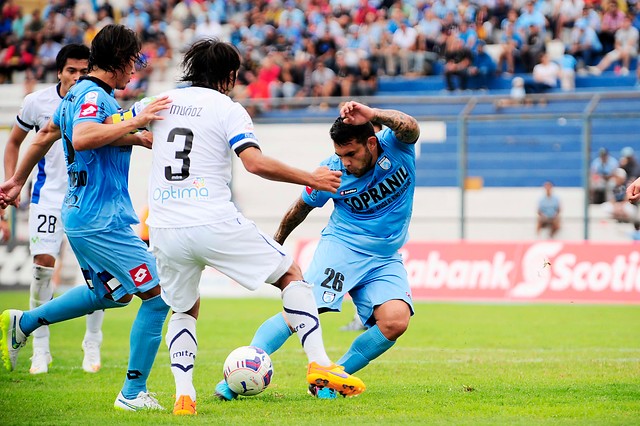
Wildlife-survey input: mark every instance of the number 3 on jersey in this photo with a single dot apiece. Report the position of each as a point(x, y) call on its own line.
point(183, 155)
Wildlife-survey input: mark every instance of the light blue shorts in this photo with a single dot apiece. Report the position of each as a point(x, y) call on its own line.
point(370, 280)
point(115, 262)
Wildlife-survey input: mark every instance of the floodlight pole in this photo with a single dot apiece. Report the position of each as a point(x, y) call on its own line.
point(587, 136)
point(462, 160)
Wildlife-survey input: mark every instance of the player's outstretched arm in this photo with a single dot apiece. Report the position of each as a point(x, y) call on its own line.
point(403, 125)
point(633, 191)
point(12, 151)
point(95, 135)
point(44, 139)
point(296, 214)
point(322, 179)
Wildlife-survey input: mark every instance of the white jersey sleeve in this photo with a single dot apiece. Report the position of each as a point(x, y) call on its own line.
point(192, 147)
point(50, 183)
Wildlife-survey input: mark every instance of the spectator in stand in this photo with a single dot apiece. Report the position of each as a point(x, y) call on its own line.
point(611, 22)
point(530, 17)
point(510, 44)
point(565, 13)
point(323, 80)
point(468, 35)
point(532, 48)
point(458, 59)
point(585, 44)
point(45, 60)
point(629, 163)
point(346, 76)
point(626, 48)
point(430, 31)
point(548, 211)
point(367, 79)
point(619, 207)
point(483, 68)
point(360, 12)
point(601, 170)
point(546, 75)
point(289, 82)
point(568, 66)
point(635, 234)
point(18, 56)
point(403, 51)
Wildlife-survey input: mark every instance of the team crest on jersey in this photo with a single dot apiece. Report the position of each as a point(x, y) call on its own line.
point(140, 275)
point(91, 98)
point(88, 110)
point(384, 163)
point(328, 297)
point(348, 191)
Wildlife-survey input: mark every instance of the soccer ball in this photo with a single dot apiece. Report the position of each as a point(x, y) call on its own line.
point(248, 370)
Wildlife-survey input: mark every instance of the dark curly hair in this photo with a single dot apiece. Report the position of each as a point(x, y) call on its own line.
point(211, 63)
point(71, 51)
point(113, 48)
point(342, 133)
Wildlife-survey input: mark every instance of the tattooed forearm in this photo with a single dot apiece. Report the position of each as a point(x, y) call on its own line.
point(403, 125)
point(292, 218)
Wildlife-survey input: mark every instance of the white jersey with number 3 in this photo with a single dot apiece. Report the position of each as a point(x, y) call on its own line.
point(50, 183)
point(192, 147)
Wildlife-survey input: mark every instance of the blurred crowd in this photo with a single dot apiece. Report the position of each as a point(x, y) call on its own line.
point(297, 48)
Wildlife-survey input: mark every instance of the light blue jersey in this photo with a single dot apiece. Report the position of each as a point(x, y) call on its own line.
point(371, 213)
point(98, 197)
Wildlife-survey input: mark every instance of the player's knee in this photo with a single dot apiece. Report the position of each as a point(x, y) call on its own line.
point(45, 260)
point(393, 328)
point(124, 300)
point(294, 273)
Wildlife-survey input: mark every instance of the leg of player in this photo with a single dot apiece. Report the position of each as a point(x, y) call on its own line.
point(40, 292)
point(392, 320)
point(181, 339)
point(16, 326)
point(92, 342)
point(302, 314)
point(144, 340)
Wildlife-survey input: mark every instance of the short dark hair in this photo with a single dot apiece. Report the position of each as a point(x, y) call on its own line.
point(113, 48)
point(71, 51)
point(342, 133)
point(211, 63)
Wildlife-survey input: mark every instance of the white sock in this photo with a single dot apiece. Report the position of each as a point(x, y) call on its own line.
point(183, 346)
point(40, 292)
point(302, 313)
point(94, 327)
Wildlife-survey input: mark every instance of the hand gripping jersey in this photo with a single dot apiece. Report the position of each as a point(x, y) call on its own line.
point(372, 213)
point(50, 183)
point(98, 193)
point(192, 147)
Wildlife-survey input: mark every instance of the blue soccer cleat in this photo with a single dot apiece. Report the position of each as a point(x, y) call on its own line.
point(223, 392)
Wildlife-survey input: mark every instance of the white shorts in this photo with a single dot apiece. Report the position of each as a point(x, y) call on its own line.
point(237, 248)
point(45, 230)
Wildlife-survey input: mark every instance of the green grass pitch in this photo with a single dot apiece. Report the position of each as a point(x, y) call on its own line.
point(457, 364)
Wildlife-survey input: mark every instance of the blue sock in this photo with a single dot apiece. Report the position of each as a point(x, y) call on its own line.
point(367, 347)
point(74, 303)
point(146, 335)
point(272, 334)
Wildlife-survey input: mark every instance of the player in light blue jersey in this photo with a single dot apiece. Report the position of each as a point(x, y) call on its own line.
point(97, 213)
point(358, 249)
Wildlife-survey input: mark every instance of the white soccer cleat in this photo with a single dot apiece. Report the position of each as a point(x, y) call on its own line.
point(12, 339)
point(40, 362)
point(91, 362)
point(144, 401)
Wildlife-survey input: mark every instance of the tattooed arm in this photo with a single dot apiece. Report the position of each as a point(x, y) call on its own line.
point(403, 125)
point(296, 214)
